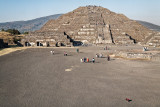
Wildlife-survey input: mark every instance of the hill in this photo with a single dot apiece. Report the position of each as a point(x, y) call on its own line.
point(150, 25)
point(30, 25)
point(35, 24)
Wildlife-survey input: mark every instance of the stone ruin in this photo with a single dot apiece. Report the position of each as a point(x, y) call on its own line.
point(91, 25)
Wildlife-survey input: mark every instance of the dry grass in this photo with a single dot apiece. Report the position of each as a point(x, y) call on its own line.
point(9, 50)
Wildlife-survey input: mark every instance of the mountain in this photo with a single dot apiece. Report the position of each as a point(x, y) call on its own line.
point(30, 25)
point(35, 24)
point(150, 25)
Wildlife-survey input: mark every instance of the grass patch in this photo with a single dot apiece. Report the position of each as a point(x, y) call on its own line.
point(5, 51)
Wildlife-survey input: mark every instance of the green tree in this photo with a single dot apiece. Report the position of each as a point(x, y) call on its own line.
point(26, 32)
point(2, 29)
point(13, 31)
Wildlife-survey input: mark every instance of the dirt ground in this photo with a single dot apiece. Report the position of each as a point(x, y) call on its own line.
point(35, 78)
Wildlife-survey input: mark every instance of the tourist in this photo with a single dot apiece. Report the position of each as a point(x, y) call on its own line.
point(93, 60)
point(106, 47)
point(97, 55)
point(77, 50)
point(81, 60)
point(145, 48)
point(51, 52)
point(87, 59)
point(84, 59)
point(101, 55)
point(65, 53)
point(108, 58)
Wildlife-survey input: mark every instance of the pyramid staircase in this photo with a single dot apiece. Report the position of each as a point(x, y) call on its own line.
point(154, 40)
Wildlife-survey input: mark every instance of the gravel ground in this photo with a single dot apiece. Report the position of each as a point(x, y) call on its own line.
point(35, 78)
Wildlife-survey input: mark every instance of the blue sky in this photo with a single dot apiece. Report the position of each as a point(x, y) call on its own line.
point(16, 10)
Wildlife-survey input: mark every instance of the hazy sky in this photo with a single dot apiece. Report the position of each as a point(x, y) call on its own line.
point(15, 10)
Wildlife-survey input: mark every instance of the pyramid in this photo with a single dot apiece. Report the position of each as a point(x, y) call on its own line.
point(90, 25)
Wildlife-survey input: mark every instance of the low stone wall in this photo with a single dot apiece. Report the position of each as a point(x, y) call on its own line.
point(133, 55)
point(156, 57)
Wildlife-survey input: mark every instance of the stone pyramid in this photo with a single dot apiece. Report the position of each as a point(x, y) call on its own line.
point(90, 25)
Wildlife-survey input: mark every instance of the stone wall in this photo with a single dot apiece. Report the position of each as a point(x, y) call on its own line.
point(135, 55)
point(46, 39)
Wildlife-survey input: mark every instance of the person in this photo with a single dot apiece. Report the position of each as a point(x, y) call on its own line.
point(84, 59)
point(81, 60)
point(108, 58)
point(106, 47)
point(77, 50)
point(101, 55)
point(51, 52)
point(145, 48)
point(65, 53)
point(87, 59)
point(97, 55)
point(93, 60)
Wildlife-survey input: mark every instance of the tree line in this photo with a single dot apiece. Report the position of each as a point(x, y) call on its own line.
point(13, 31)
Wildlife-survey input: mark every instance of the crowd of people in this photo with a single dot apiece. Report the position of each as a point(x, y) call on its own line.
point(101, 56)
point(86, 59)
